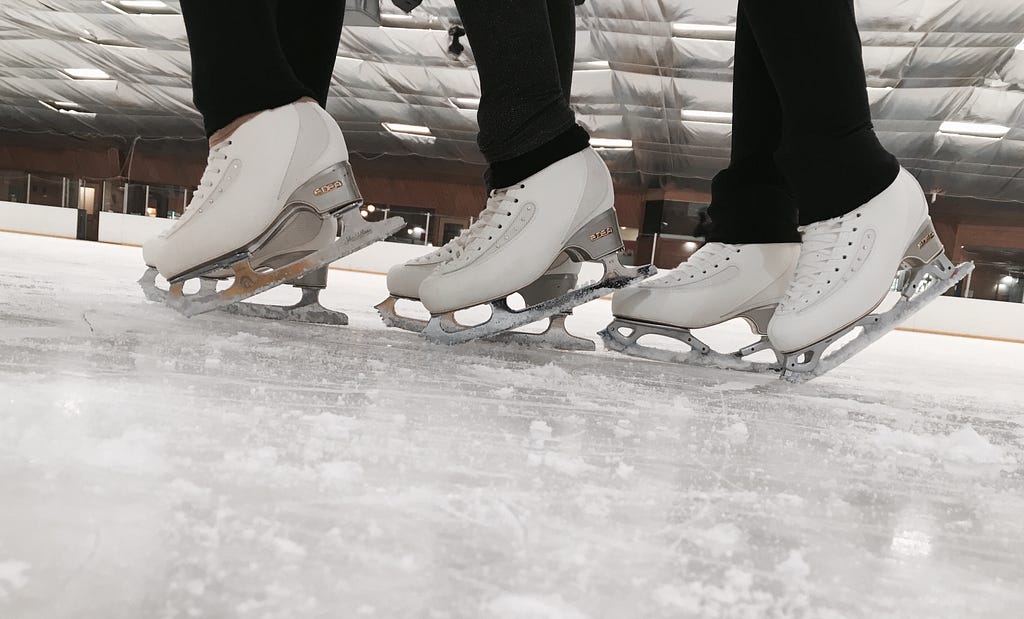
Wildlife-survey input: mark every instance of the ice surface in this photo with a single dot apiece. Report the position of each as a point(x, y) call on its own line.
point(158, 466)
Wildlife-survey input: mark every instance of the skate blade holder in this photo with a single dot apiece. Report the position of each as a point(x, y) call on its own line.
point(555, 336)
point(446, 329)
point(926, 284)
point(247, 282)
point(623, 336)
point(307, 310)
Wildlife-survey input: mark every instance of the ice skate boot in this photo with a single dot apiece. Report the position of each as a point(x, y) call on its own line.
point(404, 281)
point(847, 266)
point(718, 283)
point(277, 202)
point(565, 208)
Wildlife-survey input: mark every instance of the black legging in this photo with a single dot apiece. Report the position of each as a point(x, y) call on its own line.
point(803, 146)
point(254, 55)
point(524, 51)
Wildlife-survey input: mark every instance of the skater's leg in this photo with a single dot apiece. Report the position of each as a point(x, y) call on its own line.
point(552, 195)
point(309, 32)
point(752, 242)
point(829, 152)
point(525, 120)
point(238, 65)
point(750, 200)
point(863, 215)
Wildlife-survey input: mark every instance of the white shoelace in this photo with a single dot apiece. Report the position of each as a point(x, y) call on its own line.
point(455, 247)
point(711, 255)
point(490, 222)
point(214, 168)
point(818, 258)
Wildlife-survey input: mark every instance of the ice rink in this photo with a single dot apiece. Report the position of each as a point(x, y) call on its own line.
point(156, 466)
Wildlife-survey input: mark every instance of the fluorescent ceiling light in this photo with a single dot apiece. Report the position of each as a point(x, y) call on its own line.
point(466, 103)
point(110, 43)
point(408, 129)
point(1020, 46)
point(701, 116)
point(67, 107)
point(1008, 279)
point(139, 7)
point(611, 143)
point(87, 74)
point(592, 65)
point(978, 130)
point(391, 20)
point(704, 31)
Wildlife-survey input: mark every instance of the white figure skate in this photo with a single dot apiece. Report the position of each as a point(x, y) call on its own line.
point(846, 268)
point(565, 208)
point(719, 282)
point(404, 281)
point(277, 202)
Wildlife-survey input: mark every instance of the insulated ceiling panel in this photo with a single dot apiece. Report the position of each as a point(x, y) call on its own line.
point(655, 72)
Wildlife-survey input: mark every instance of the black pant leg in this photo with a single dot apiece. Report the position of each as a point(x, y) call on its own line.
point(750, 200)
point(309, 32)
point(525, 120)
point(562, 17)
point(238, 66)
point(829, 152)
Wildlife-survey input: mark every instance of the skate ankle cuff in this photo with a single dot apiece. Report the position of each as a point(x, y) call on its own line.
point(506, 173)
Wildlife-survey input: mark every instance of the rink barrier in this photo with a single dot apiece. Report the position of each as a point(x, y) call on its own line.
point(955, 316)
point(40, 220)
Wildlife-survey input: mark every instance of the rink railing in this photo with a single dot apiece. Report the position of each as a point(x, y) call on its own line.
point(947, 315)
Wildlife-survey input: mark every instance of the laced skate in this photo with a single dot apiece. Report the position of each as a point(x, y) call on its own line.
point(561, 277)
point(720, 282)
point(277, 203)
point(565, 208)
point(846, 268)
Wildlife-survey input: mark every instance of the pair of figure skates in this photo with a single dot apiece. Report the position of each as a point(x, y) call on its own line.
point(278, 203)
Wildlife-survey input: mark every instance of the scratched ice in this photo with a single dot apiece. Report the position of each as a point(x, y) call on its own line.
point(157, 466)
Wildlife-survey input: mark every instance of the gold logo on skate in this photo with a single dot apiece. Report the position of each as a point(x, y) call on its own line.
point(328, 188)
point(601, 234)
point(924, 241)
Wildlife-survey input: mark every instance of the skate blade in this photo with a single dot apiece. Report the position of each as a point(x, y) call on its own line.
point(812, 361)
point(307, 310)
point(248, 283)
point(700, 354)
point(445, 329)
point(555, 336)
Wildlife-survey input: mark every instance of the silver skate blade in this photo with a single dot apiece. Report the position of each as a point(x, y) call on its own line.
point(444, 329)
point(307, 310)
point(811, 362)
point(389, 314)
point(248, 283)
point(555, 336)
point(700, 354)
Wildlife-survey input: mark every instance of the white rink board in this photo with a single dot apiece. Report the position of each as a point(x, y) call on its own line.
point(130, 229)
point(158, 466)
point(36, 219)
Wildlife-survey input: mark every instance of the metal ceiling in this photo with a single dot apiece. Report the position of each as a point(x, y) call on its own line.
point(647, 71)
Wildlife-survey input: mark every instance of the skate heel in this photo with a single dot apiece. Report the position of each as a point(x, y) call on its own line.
point(925, 246)
point(333, 190)
point(596, 239)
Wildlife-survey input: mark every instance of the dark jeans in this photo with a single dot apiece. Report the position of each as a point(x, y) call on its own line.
point(803, 146)
point(524, 51)
point(254, 55)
